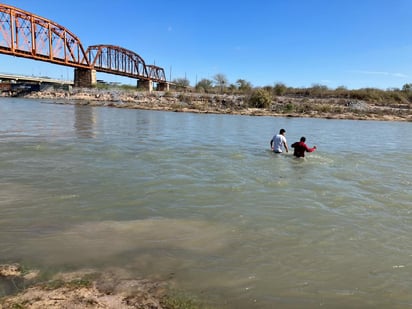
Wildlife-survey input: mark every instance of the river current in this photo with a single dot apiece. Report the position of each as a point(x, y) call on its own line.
point(200, 200)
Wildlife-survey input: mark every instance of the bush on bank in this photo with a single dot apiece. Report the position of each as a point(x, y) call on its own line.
point(260, 98)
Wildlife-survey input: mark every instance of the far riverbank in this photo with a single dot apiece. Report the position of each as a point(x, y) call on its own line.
point(282, 106)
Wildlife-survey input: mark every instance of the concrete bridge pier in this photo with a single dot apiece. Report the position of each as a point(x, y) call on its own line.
point(84, 77)
point(145, 84)
point(163, 87)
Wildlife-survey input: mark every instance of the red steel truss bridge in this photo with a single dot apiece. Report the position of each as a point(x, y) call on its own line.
point(26, 35)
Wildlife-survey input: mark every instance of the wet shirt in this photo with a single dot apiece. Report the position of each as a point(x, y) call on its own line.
point(278, 141)
point(300, 148)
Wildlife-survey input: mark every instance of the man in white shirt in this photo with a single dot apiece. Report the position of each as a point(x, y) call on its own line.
point(279, 141)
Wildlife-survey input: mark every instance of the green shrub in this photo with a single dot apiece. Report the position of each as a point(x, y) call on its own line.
point(279, 89)
point(260, 98)
point(289, 107)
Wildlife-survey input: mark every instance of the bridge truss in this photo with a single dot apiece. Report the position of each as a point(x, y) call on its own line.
point(24, 34)
point(109, 58)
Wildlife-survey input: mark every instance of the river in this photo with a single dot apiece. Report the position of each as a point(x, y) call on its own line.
point(200, 200)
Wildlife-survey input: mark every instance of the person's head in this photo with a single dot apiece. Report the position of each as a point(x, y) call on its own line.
point(282, 131)
point(303, 139)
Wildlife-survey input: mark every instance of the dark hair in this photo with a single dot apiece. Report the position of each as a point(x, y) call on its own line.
point(282, 131)
point(303, 139)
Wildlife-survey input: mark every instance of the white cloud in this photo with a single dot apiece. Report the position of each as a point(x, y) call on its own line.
point(401, 75)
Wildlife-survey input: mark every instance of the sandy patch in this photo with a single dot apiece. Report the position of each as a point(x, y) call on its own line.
point(106, 240)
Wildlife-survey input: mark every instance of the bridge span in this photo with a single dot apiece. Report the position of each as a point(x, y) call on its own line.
point(25, 78)
point(26, 35)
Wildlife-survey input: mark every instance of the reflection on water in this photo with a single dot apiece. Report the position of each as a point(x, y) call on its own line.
point(84, 121)
point(201, 197)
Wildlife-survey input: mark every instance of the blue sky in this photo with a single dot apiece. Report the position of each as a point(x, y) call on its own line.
point(356, 44)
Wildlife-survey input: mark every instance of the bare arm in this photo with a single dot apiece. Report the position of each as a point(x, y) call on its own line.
point(286, 146)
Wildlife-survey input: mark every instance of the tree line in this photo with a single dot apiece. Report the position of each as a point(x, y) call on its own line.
point(219, 84)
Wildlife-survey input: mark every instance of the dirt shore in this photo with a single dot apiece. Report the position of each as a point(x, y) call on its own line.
point(111, 289)
point(331, 108)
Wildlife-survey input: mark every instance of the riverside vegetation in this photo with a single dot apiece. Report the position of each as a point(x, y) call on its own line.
point(279, 100)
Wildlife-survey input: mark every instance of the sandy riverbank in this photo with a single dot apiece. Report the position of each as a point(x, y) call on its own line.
point(230, 104)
